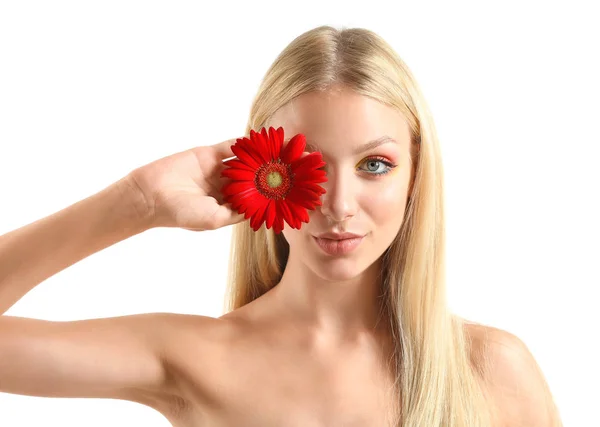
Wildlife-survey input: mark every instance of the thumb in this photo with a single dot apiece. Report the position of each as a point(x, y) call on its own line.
point(221, 216)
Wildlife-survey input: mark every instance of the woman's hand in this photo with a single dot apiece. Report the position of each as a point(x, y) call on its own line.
point(184, 189)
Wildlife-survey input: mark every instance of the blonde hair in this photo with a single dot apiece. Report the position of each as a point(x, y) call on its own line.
point(436, 383)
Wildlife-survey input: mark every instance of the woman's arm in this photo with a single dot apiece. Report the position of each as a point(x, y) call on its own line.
point(128, 357)
point(120, 357)
point(31, 254)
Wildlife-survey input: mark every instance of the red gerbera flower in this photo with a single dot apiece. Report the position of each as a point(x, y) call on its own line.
point(271, 183)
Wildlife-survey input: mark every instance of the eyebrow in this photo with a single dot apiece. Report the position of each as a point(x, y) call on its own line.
point(385, 139)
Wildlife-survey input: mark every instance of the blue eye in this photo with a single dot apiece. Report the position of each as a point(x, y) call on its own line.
point(373, 165)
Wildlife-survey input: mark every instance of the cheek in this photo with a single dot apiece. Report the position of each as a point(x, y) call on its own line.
point(386, 203)
point(289, 234)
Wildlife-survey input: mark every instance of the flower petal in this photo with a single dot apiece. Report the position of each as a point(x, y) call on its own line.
point(259, 215)
point(237, 187)
point(315, 188)
point(270, 214)
point(315, 175)
point(297, 212)
point(241, 203)
point(308, 162)
point(245, 156)
point(254, 147)
point(286, 213)
point(270, 147)
point(301, 198)
point(259, 144)
point(238, 174)
point(294, 149)
point(307, 192)
point(235, 163)
point(278, 225)
point(248, 196)
point(276, 138)
point(300, 213)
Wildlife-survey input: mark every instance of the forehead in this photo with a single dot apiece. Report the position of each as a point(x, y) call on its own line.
point(340, 120)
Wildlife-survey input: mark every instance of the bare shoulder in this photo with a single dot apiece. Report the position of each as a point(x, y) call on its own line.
point(197, 335)
point(192, 347)
point(512, 378)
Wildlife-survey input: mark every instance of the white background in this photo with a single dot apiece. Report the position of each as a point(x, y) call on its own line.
point(91, 90)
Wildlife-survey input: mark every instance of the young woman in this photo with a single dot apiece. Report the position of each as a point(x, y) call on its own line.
point(340, 322)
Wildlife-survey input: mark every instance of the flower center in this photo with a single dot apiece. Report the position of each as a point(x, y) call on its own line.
point(274, 180)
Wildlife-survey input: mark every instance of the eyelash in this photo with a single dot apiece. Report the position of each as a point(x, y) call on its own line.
point(389, 165)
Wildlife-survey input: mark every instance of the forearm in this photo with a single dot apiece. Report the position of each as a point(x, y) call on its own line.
point(31, 254)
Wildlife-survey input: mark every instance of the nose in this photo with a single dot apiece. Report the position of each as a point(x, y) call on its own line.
point(339, 202)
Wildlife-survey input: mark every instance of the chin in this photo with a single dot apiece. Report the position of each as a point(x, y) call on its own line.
point(338, 270)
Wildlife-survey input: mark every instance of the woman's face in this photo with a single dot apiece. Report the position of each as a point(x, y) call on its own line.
point(364, 195)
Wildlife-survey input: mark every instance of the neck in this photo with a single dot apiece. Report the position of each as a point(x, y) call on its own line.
point(345, 309)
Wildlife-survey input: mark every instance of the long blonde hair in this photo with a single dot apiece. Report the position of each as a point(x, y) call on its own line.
point(436, 381)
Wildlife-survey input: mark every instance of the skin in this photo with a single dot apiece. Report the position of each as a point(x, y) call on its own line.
point(317, 331)
point(335, 297)
point(309, 352)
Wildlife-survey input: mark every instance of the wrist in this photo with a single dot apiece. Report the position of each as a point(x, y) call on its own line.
point(136, 206)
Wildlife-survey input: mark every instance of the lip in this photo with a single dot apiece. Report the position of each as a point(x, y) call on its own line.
point(338, 246)
point(338, 236)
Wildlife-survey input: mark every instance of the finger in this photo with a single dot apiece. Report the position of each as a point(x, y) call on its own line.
point(220, 217)
point(225, 216)
point(223, 149)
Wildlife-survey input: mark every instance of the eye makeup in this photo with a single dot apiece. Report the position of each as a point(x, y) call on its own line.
point(374, 159)
point(381, 160)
